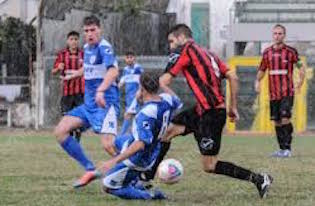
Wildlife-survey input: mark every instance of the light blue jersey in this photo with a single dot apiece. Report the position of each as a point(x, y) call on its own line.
point(130, 77)
point(97, 60)
point(149, 126)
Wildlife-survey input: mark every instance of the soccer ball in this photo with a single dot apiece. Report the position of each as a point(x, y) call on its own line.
point(170, 171)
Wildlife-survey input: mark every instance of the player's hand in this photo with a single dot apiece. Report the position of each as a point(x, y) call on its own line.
point(70, 74)
point(257, 86)
point(99, 98)
point(233, 114)
point(298, 87)
point(61, 66)
point(107, 166)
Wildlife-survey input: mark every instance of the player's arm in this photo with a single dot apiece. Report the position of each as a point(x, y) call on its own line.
point(301, 68)
point(165, 81)
point(72, 74)
point(58, 66)
point(233, 82)
point(259, 77)
point(131, 150)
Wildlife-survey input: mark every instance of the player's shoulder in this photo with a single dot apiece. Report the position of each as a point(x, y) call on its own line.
point(266, 50)
point(104, 43)
point(291, 49)
point(149, 110)
point(167, 98)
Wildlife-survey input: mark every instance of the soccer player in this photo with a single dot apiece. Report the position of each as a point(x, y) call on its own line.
point(279, 60)
point(204, 73)
point(138, 151)
point(69, 65)
point(101, 100)
point(130, 78)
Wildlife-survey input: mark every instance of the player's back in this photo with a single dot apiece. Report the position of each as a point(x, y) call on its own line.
point(149, 126)
point(97, 60)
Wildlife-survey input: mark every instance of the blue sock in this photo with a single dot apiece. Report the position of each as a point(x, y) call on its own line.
point(73, 148)
point(130, 192)
point(125, 126)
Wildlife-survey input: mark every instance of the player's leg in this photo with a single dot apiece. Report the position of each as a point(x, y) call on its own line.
point(104, 121)
point(275, 116)
point(287, 127)
point(209, 142)
point(66, 106)
point(131, 110)
point(118, 183)
point(78, 100)
point(75, 119)
point(182, 124)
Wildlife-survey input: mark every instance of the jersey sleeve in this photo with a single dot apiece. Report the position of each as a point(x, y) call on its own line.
point(58, 60)
point(173, 100)
point(223, 68)
point(143, 128)
point(264, 63)
point(178, 61)
point(296, 57)
point(108, 56)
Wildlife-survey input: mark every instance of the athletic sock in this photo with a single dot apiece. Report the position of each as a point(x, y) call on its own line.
point(149, 175)
point(232, 170)
point(130, 192)
point(287, 130)
point(125, 126)
point(280, 137)
point(73, 148)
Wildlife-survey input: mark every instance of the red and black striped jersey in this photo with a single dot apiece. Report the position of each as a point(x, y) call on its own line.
point(203, 71)
point(71, 62)
point(279, 62)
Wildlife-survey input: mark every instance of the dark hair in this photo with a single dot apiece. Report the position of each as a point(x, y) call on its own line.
point(73, 33)
point(131, 53)
point(282, 27)
point(180, 29)
point(150, 82)
point(89, 20)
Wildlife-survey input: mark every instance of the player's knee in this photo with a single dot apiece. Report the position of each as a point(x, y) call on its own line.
point(60, 133)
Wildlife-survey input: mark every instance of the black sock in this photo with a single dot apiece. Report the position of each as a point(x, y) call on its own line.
point(232, 170)
point(287, 130)
point(280, 136)
point(149, 175)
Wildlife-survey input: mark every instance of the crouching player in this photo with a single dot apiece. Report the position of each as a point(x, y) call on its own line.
point(138, 151)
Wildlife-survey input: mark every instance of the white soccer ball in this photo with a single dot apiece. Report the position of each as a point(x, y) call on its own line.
point(170, 171)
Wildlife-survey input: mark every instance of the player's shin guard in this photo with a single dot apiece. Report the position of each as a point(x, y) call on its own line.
point(149, 175)
point(287, 130)
point(280, 137)
point(73, 148)
point(232, 170)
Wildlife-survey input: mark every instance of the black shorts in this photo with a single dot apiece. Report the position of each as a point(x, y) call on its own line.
point(67, 103)
point(207, 128)
point(281, 108)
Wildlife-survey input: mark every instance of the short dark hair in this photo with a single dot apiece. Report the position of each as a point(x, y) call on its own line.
point(180, 29)
point(150, 82)
point(130, 52)
point(73, 33)
point(89, 20)
point(282, 27)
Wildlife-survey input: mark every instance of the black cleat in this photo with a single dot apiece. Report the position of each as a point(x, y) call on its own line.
point(263, 186)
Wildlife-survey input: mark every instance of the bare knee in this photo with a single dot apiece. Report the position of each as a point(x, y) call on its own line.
point(60, 132)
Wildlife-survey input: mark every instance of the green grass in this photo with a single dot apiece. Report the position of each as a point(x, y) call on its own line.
point(35, 171)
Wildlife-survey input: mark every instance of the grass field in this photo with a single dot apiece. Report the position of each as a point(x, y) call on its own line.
point(35, 171)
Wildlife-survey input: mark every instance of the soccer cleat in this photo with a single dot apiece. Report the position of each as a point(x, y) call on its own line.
point(158, 195)
point(88, 177)
point(286, 153)
point(263, 186)
point(277, 153)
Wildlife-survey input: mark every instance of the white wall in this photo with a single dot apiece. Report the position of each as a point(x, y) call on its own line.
point(219, 18)
point(26, 10)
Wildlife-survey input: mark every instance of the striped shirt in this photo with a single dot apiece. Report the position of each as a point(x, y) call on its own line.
point(279, 63)
point(203, 71)
point(71, 62)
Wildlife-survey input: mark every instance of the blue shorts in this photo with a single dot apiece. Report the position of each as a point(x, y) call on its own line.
point(102, 120)
point(120, 176)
